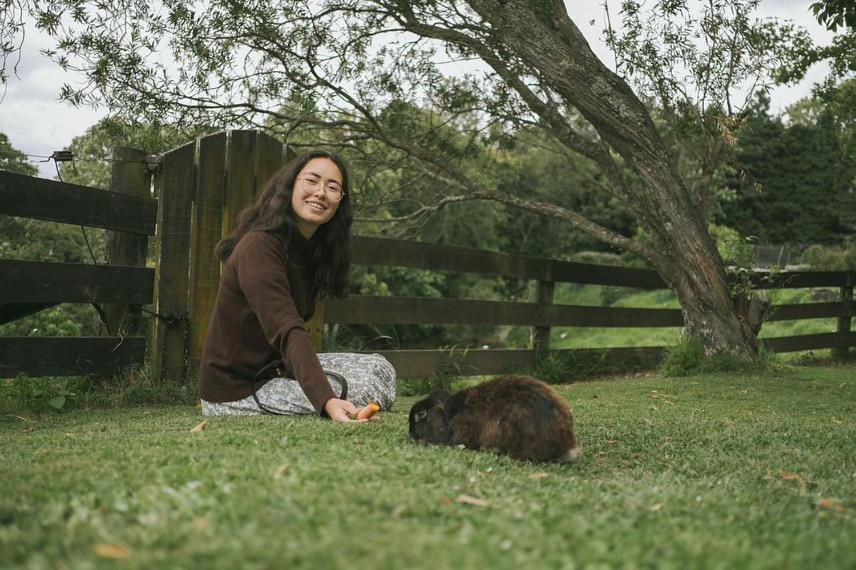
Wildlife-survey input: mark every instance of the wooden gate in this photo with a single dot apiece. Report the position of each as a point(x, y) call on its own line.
point(201, 187)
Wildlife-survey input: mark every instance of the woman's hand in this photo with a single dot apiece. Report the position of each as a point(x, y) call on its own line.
point(343, 411)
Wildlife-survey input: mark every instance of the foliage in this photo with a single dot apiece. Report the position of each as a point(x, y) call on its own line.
point(793, 181)
point(738, 470)
point(701, 63)
point(831, 258)
point(835, 14)
point(14, 160)
point(355, 87)
point(135, 386)
point(36, 395)
point(838, 16)
point(93, 150)
point(688, 357)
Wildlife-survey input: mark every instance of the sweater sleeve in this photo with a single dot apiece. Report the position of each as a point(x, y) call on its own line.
point(262, 276)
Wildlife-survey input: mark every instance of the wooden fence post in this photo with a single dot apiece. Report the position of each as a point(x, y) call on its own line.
point(540, 338)
point(206, 231)
point(844, 321)
point(176, 186)
point(128, 176)
point(232, 167)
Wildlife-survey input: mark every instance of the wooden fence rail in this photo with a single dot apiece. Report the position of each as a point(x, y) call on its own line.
point(27, 287)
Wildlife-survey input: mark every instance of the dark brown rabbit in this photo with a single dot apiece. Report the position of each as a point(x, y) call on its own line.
point(515, 415)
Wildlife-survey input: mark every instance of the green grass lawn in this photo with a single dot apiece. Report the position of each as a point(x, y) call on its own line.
point(720, 471)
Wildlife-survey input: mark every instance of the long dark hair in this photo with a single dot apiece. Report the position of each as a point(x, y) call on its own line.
point(271, 212)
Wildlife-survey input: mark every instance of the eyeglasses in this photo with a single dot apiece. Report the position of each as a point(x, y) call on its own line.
point(310, 184)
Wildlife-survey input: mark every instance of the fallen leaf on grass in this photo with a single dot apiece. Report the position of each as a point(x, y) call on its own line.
point(656, 507)
point(788, 476)
point(201, 524)
point(538, 475)
point(280, 471)
point(112, 551)
point(200, 427)
point(612, 441)
point(667, 398)
point(467, 500)
point(836, 421)
point(831, 505)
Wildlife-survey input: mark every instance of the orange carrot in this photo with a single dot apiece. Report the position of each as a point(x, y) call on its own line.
point(368, 411)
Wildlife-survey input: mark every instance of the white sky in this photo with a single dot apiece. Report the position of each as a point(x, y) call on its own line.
point(36, 122)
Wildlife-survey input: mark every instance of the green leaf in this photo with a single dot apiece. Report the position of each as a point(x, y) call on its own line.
point(57, 402)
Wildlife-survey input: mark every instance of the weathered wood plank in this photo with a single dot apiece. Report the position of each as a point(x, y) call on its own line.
point(795, 312)
point(240, 177)
point(207, 230)
point(799, 279)
point(417, 363)
point(436, 257)
point(68, 356)
point(591, 274)
point(43, 199)
point(539, 339)
point(810, 342)
point(13, 311)
point(176, 186)
point(49, 282)
point(418, 255)
point(128, 176)
point(419, 310)
point(269, 159)
point(845, 319)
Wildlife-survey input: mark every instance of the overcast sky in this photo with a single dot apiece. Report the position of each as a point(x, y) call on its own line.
point(37, 123)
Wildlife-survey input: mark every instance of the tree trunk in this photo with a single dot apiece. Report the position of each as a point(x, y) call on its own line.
point(543, 36)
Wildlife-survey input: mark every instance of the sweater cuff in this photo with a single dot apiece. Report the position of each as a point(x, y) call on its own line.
point(322, 412)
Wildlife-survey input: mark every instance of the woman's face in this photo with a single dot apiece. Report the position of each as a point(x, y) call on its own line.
point(316, 195)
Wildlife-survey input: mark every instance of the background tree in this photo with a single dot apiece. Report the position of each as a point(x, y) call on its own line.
point(344, 66)
point(793, 180)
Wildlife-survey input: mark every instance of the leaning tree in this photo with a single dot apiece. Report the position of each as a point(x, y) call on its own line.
point(346, 68)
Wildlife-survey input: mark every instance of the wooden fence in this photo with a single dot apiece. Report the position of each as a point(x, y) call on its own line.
point(27, 287)
point(200, 188)
point(542, 314)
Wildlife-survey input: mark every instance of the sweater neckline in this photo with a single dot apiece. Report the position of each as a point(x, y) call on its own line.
point(301, 246)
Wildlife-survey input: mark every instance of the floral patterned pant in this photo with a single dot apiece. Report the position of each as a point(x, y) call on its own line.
point(370, 377)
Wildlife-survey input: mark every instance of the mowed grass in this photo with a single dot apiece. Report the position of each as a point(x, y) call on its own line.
point(718, 471)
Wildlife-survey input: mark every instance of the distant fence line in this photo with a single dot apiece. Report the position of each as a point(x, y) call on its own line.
point(202, 186)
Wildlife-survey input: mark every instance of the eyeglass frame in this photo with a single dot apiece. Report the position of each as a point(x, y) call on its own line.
point(304, 182)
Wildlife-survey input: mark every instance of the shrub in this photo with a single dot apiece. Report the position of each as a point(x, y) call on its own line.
point(688, 358)
point(831, 258)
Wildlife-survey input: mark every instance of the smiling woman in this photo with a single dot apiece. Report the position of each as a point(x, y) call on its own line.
point(290, 245)
point(320, 194)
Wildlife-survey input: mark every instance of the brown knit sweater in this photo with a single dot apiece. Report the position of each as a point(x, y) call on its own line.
point(266, 293)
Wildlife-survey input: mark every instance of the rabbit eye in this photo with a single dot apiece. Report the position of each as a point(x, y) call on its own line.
point(420, 415)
